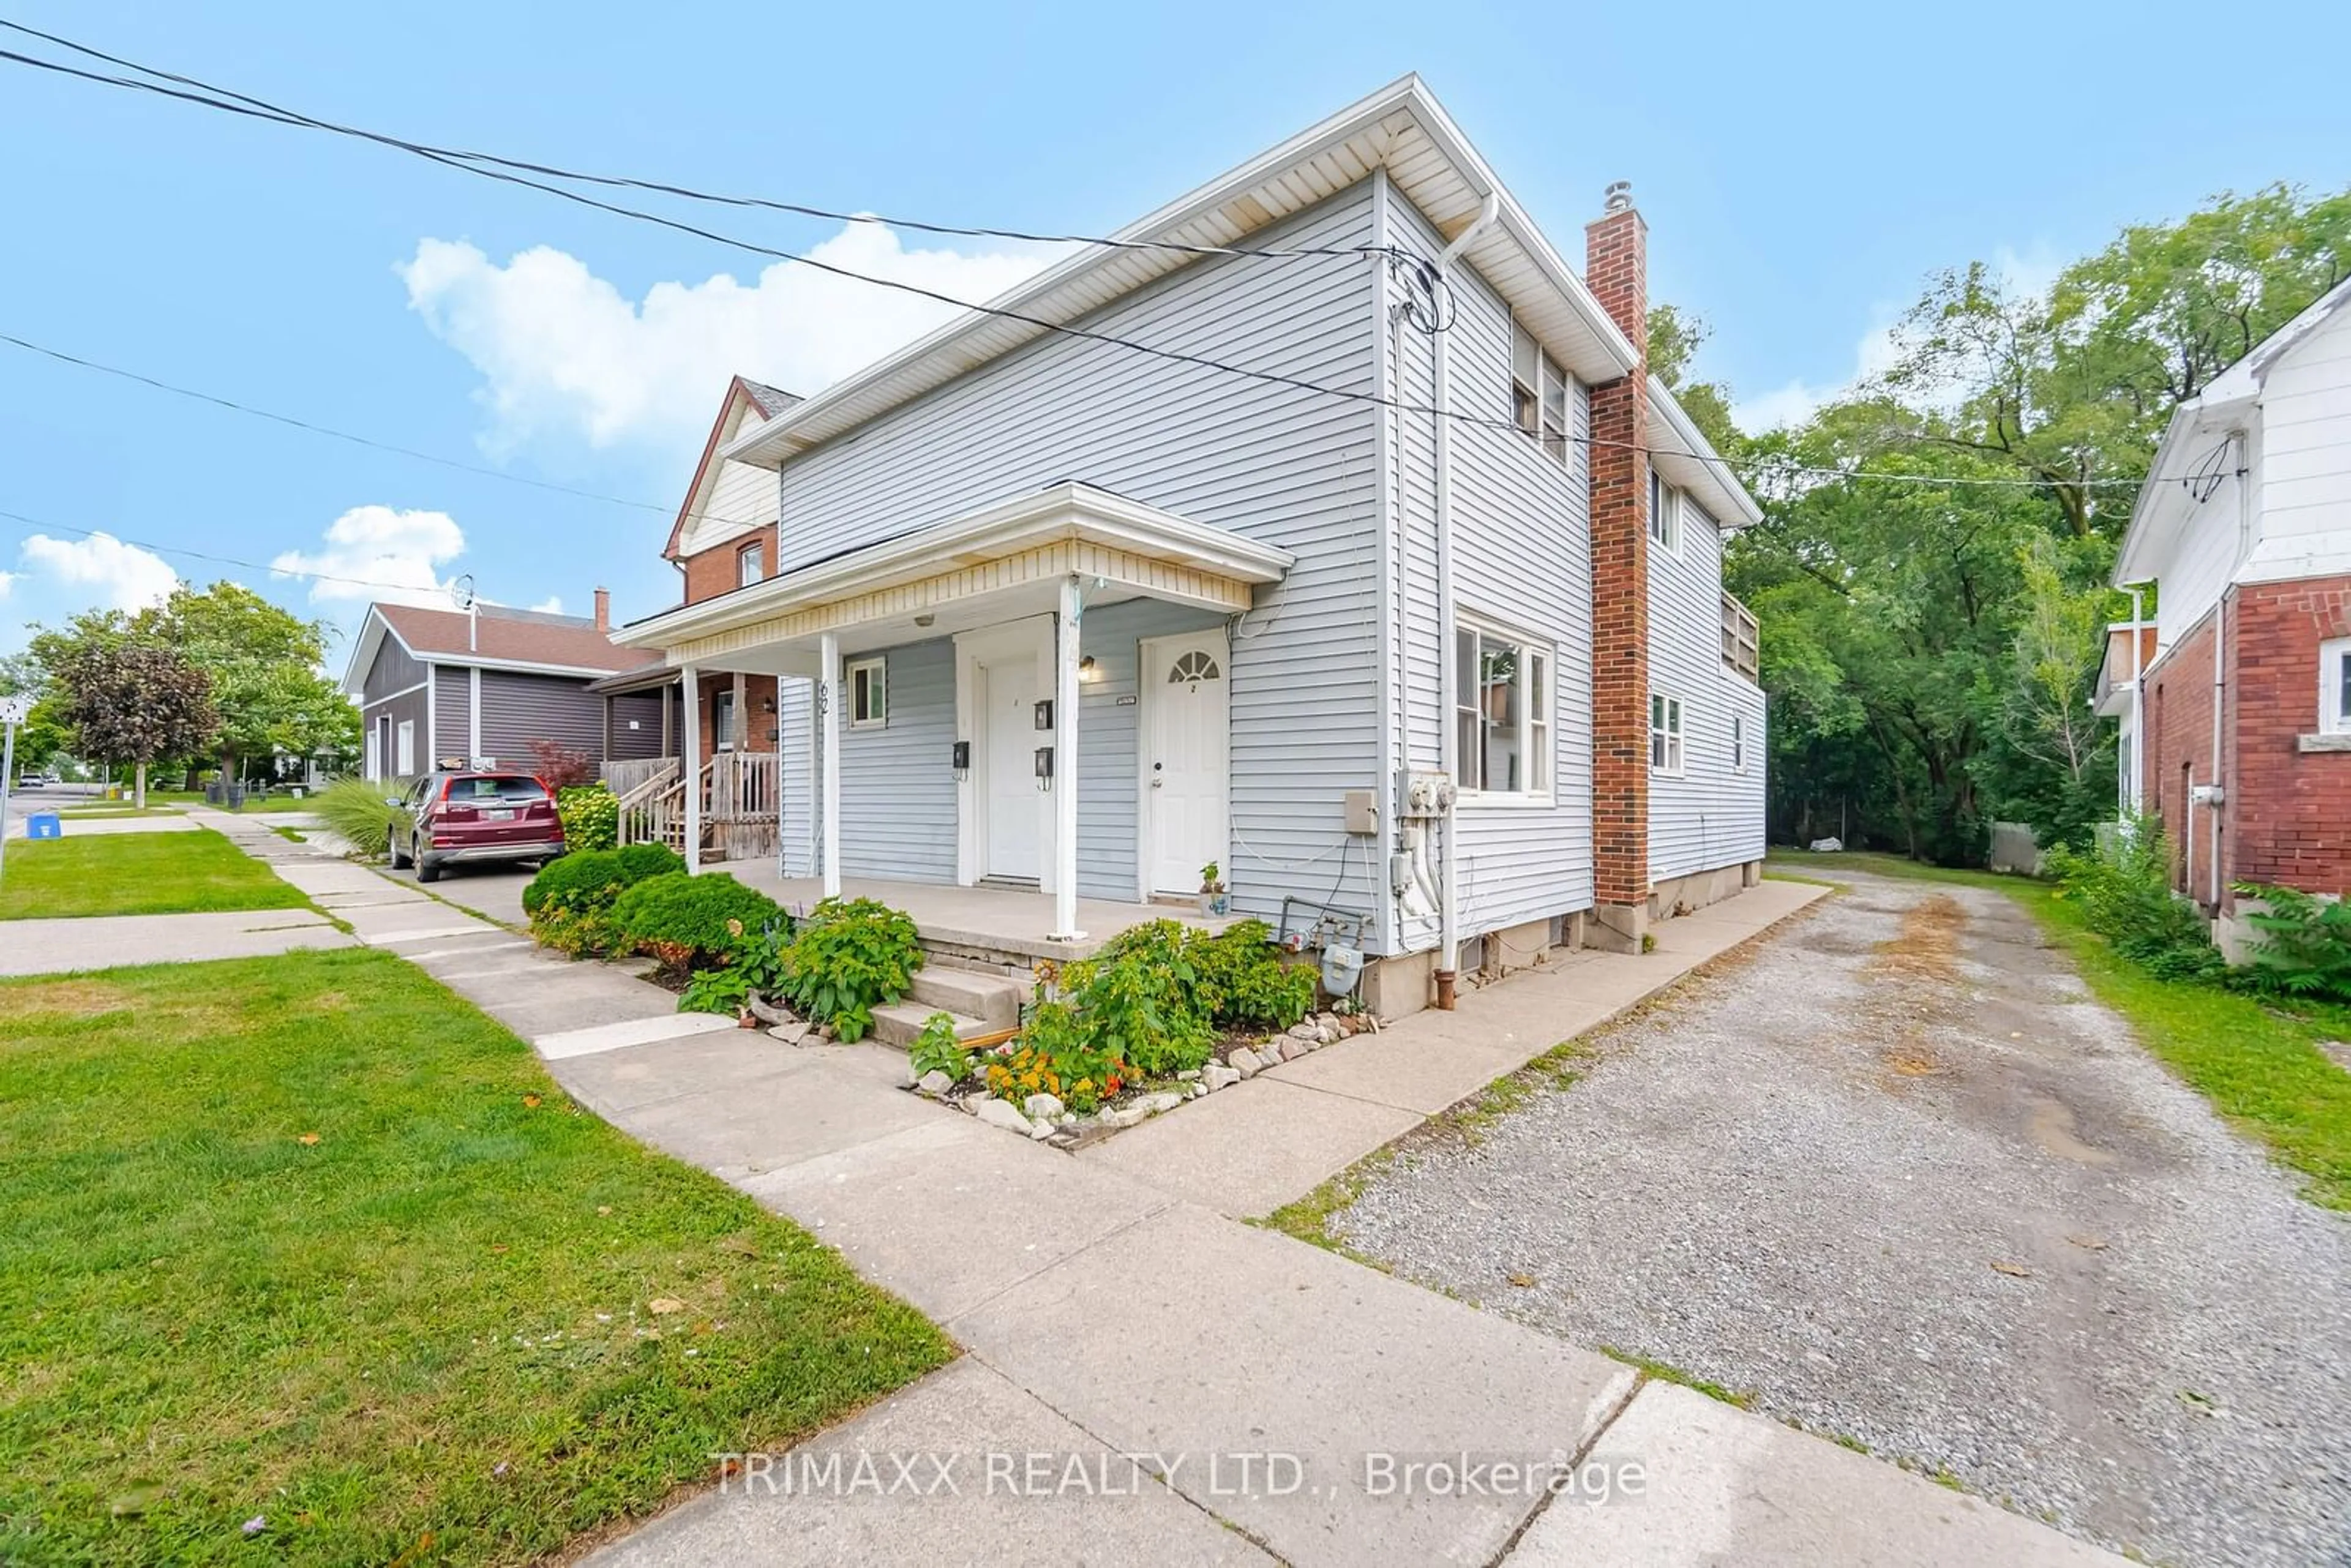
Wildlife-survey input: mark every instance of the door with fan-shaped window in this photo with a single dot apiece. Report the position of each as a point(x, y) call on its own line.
point(1183, 759)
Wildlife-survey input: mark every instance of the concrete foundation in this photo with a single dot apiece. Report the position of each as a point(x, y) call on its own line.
point(1617, 928)
point(1401, 986)
point(1687, 894)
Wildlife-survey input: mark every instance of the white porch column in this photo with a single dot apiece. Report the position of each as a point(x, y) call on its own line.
point(1065, 767)
point(827, 726)
point(692, 678)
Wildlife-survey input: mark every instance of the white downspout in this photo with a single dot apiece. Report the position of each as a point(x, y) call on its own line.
point(1449, 936)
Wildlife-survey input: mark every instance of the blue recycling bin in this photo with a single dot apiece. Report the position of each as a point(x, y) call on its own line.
point(43, 825)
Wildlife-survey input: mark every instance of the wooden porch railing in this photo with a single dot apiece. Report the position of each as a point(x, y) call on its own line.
point(1742, 647)
point(741, 797)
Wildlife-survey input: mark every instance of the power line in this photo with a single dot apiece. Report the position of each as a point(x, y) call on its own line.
point(200, 554)
point(466, 162)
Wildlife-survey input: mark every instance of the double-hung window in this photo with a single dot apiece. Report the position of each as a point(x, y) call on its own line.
point(1665, 515)
point(2335, 686)
point(1739, 743)
point(868, 693)
point(1502, 714)
point(1538, 394)
point(750, 564)
point(1665, 734)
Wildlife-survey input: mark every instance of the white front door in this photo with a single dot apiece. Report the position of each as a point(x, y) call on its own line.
point(1016, 807)
point(1185, 769)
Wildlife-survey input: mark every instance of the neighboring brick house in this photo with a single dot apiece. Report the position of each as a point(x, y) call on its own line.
point(2238, 733)
point(443, 683)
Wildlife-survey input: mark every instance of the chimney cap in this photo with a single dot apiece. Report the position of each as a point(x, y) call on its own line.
point(1618, 197)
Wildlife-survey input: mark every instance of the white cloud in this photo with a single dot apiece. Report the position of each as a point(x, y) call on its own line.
point(128, 577)
point(2026, 275)
point(564, 354)
point(7, 583)
point(376, 553)
point(551, 605)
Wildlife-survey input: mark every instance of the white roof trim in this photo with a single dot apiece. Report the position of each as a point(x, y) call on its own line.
point(1401, 128)
point(374, 629)
point(1068, 511)
point(1686, 458)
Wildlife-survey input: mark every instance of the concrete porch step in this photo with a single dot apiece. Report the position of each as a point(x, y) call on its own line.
point(994, 998)
point(897, 1023)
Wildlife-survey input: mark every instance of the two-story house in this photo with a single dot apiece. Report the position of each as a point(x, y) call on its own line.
point(1328, 528)
point(2235, 698)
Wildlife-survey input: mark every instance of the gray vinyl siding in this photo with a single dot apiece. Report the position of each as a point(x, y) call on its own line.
point(1711, 815)
point(518, 708)
point(1521, 564)
point(453, 709)
point(644, 709)
point(1289, 466)
point(393, 671)
point(1108, 739)
point(795, 743)
point(410, 709)
point(897, 783)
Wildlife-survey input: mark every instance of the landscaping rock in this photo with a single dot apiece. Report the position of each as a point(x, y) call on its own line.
point(999, 1114)
point(1326, 1035)
point(1040, 1131)
point(1293, 1047)
point(1216, 1075)
point(1042, 1107)
point(935, 1083)
point(1189, 1075)
point(1305, 1030)
point(792, 1032)
point(1246, 1062)
point(1153, 1104)
point(1121, 1116)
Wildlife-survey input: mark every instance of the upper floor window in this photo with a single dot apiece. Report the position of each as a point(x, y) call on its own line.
point(1665, 734)
point(750, 564)
point(1502, 714)
point(1665, 515)
point(2335, 686)
point(1538, 394)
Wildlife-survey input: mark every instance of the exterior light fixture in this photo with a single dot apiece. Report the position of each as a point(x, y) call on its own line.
point(1088, 671)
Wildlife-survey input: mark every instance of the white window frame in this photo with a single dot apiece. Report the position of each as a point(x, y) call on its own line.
point(1537, 675)
point(1539, 399)
point(404, 747)
point(1665, 515)
point(723, 718)
point(1738, 742)
point(751, 563)
point(874, 713)
point(2335, 686)
point(1668, 754)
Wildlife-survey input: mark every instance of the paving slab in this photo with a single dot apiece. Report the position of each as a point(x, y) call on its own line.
point(1188, 1332)
point(901, 1208)
point(1248, 1149)
point(107, 941)
point(797, 1115)
point(1720, 1485)
point(74, 827)
point(956, 1417)
point(640, 1032)
point(617, 1082)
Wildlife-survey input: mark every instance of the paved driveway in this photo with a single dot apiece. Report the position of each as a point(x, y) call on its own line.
point(1900, 1177)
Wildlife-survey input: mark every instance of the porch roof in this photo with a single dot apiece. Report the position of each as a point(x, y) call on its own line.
point(999, 563)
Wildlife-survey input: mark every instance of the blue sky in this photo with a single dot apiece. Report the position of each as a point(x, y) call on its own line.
point(1802, 170)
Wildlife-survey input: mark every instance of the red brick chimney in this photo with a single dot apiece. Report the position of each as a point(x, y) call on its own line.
point(1616, 269)
point(604, 610)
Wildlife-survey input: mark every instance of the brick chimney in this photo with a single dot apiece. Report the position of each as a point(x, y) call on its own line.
point(604, 610)
point(1616, 269)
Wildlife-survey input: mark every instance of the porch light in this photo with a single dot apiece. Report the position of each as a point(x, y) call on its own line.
point(1088, 671)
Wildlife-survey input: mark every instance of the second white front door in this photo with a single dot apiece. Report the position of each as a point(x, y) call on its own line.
point(1015, 810)
point(1185, 757)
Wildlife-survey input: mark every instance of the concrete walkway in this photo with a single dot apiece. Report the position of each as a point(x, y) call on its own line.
point(105, 941)
point(1110, 1307)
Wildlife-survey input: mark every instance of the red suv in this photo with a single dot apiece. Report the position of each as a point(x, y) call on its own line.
point(461, 817)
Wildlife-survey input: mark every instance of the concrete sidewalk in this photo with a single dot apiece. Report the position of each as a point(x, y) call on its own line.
point(109, 941)
point(1110, 1307)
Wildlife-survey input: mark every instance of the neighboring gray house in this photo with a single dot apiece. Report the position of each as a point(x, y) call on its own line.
point(1280, 619)
point(435, 685)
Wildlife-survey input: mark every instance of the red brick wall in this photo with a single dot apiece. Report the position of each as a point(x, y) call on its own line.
point(2180, 744)
point(2291, 810)
point(1616, 265)
point(714, 572)
point(760, 726)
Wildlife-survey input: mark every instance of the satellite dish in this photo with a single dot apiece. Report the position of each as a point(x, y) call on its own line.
point(462, 591)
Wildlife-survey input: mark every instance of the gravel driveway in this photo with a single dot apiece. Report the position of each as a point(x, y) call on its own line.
point(1902, 1180)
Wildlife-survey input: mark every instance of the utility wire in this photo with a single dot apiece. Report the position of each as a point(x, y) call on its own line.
point(259, 109)
point(200, 554)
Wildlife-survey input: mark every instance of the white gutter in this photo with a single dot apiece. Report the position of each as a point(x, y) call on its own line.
point(1448, 935)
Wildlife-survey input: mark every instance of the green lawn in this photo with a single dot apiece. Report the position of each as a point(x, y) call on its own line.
point(136, 874)
point(2257, 1060)
point(309, 1240)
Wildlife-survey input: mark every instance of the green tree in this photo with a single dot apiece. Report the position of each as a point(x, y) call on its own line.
point(136, 703)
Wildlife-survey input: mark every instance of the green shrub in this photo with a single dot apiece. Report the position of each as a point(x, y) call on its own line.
point(571, 901)
point(936, 1049)
point(359, 811)
point(591, 817)
point(575, 883)
point(1139, 1000)
point(687, 921)
point(1243, 982)
point(2125, 895)
point(715, 991)
point(848, 957)
point(638, 862)
point(2305, 949)
point(1054, 1056)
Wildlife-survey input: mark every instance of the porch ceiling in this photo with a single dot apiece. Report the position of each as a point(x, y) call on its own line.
point(995, 565)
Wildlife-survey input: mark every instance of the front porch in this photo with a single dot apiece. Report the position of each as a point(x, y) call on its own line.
point(994, 927)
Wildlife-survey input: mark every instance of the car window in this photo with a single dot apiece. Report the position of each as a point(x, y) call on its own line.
point(504, 789)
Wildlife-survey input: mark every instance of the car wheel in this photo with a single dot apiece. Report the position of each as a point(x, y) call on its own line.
point(427, 870)
point(393, 851)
